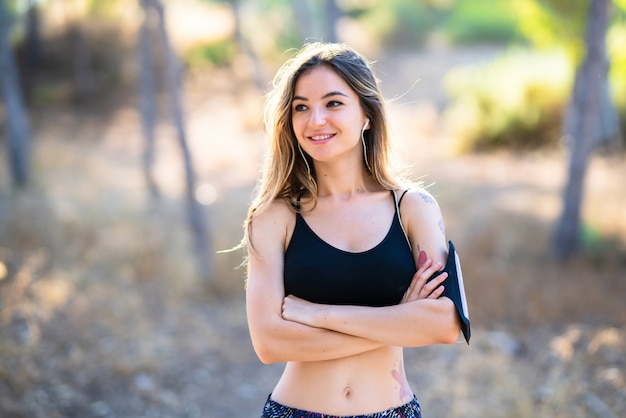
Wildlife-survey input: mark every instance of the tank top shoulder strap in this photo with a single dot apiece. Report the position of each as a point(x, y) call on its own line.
point(397, 201)
point(402, 196)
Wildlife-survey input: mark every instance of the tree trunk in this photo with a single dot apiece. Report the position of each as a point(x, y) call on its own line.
point(33, 35)
point(147, 101)
point(258, 72)
point(199, 230)
point(332, 13)
point(583, 127)
point(17, 124)
point(317, 22)
point(307, 20)
point(84, 80)
point(610, 133)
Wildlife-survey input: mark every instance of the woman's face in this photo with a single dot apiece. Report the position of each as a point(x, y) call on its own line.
point(327, 116)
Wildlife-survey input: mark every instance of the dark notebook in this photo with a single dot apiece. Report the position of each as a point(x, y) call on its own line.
point(453, 288)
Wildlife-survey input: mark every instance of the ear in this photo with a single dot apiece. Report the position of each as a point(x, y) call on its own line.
point(367, 124)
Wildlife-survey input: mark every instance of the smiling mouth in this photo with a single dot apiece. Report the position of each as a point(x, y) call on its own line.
point(321, 137)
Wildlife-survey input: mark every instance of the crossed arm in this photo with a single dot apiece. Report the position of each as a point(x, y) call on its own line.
point(286, 328)
point(413, 323)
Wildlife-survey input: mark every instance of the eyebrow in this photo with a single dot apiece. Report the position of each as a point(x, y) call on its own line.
point(327, 95)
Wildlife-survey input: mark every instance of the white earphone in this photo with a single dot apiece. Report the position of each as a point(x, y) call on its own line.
point(367, 164)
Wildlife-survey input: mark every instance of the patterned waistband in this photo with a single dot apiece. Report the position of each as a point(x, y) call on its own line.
point(273, 409)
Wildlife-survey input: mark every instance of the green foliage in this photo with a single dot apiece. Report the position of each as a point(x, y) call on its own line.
point(218, 53)
point(554, 23)
point(105, 8)
point(518, 100)
point(402, 22)
point(472, 21)
point(288, 37)
point(515, 101)
point(410, 22)
point(598, 244)
point(562, 24)
point(270, 28)
point(10, 7)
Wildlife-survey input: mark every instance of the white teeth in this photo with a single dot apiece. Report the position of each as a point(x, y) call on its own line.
point(320, 137)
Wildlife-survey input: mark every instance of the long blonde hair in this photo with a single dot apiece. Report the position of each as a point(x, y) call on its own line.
point(285, 174)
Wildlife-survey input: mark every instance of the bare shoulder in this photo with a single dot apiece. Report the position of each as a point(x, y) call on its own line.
point(277, 211)
point(271, 227)
point(423, 222)
point(418, 202)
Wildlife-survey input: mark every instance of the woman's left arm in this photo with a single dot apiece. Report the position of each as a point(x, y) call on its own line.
point(422, 318)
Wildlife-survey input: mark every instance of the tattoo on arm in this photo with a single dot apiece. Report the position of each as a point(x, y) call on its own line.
point(421, 259)
point(427, 198)
point(442, 227)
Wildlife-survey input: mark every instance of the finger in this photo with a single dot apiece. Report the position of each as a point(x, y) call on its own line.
point(412, 292)
point(412, 285)
point(417, 277)
point(420, 279)
point(439, 279)
point(409, 292)
point(436, 293)
point(422, 266)
point(429, 287)
point(420, 286)
point(286, 303)
point(430, 270)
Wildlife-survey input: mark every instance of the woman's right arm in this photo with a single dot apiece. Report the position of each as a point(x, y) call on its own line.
point(274, 338)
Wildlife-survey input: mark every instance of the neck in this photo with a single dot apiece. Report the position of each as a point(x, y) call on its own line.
point(343, 180)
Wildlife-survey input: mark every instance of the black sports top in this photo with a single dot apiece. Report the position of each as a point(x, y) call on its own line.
point(318, 272)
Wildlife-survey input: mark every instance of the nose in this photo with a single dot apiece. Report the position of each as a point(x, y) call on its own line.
point(318, 117)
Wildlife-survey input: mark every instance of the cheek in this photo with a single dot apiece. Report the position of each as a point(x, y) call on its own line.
point(297, 123)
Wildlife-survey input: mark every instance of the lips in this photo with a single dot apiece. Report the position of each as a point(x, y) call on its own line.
point(321, 137)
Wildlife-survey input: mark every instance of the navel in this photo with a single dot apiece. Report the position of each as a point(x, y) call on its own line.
point(347, 391)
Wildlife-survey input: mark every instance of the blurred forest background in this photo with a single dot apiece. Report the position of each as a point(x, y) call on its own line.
point(132, 139)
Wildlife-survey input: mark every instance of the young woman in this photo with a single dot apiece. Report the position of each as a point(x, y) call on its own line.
point(339, 252)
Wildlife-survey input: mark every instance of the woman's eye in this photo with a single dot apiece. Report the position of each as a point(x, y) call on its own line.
point(300, 107)
point(334, 103)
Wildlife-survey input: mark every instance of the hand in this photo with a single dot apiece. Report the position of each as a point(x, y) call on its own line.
point(420, 288)
point(299, 310)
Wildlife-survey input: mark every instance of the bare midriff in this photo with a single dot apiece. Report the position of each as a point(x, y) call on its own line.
point(362, 384)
